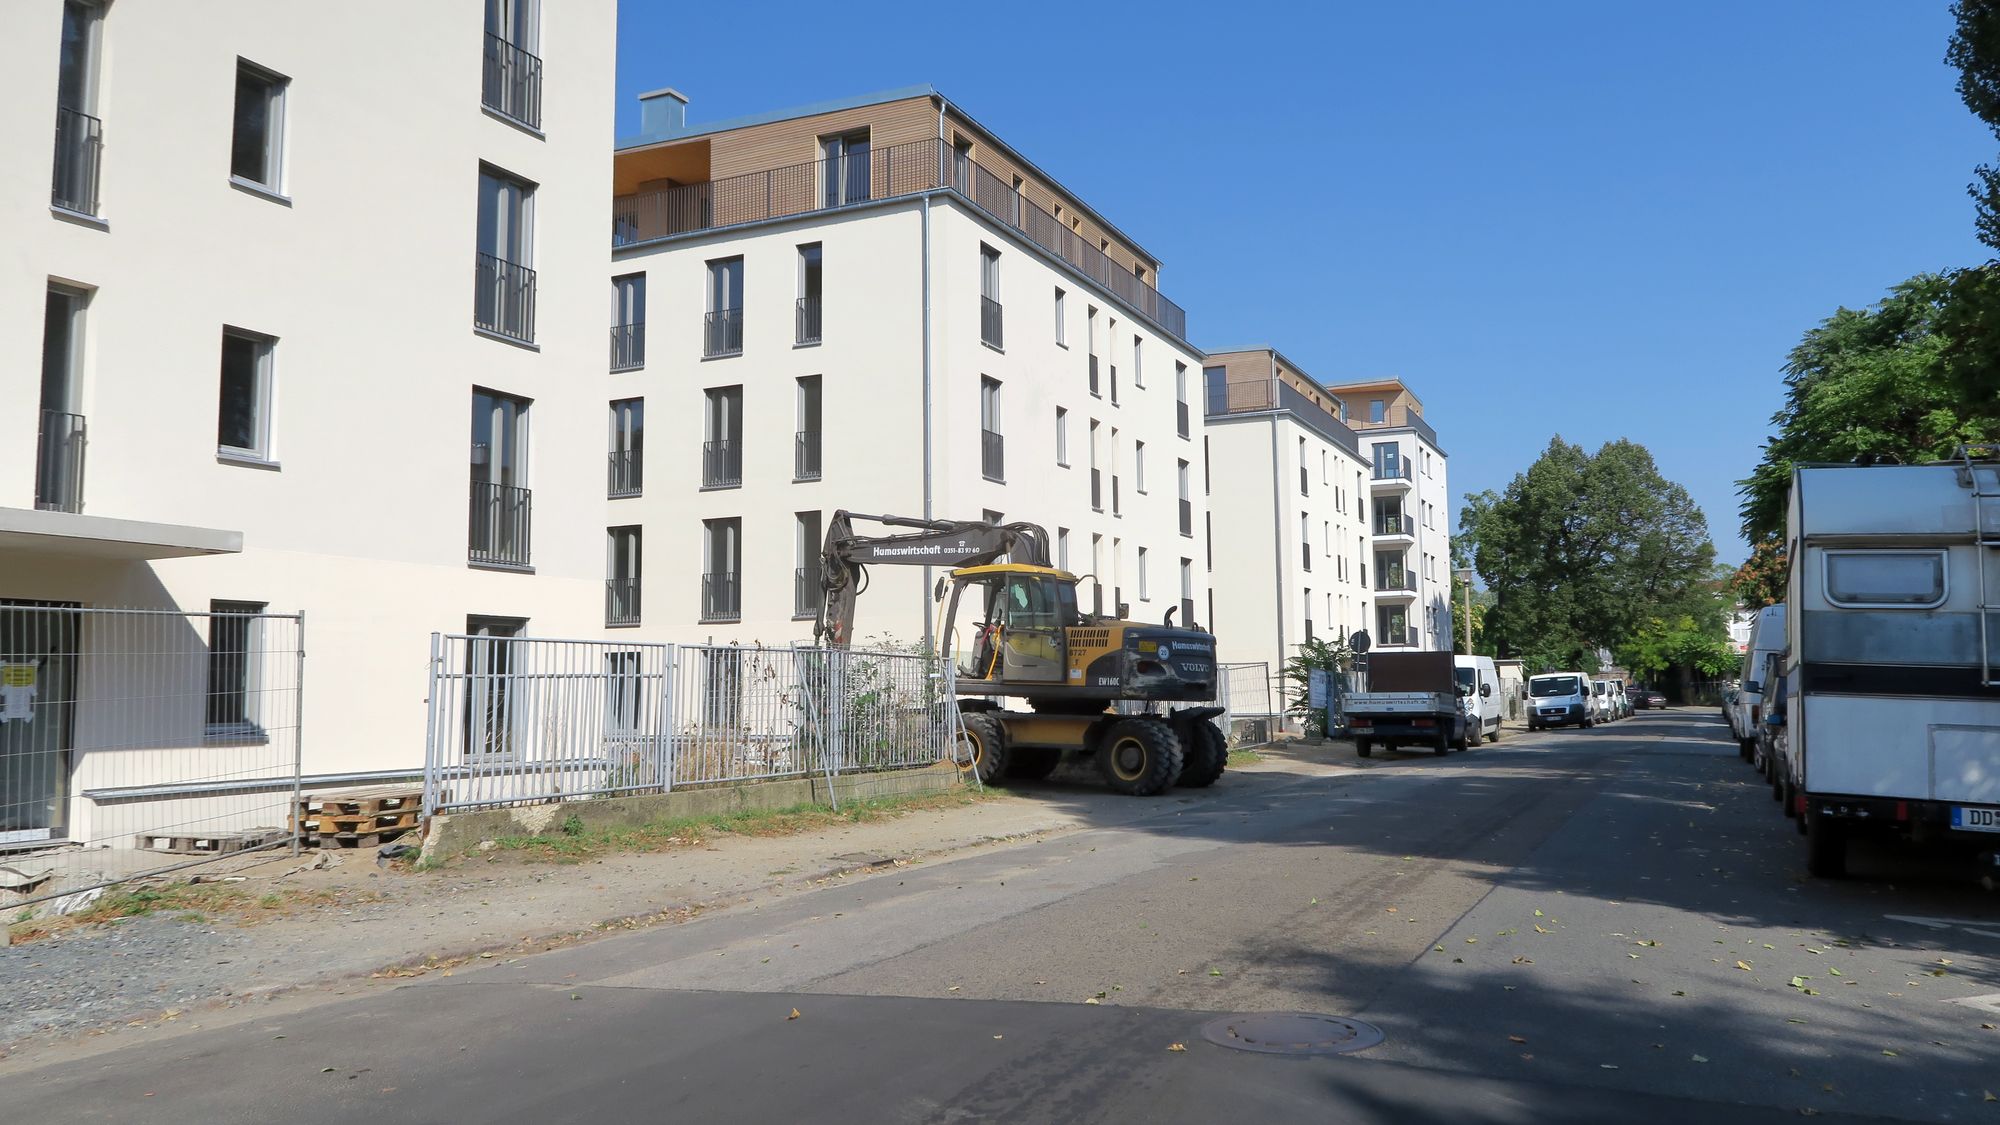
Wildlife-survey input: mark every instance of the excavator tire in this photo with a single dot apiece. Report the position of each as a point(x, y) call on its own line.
point(1139, 757)
point(1032, 763)
point(1203, 757)
point(988, 748)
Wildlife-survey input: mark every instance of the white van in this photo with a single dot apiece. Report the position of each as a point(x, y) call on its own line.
point(1558, 699)
point(1767, 637)
point(1479, 686)
point(1600, 700)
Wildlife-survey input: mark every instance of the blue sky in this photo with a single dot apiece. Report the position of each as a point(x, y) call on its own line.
point(1594, 219)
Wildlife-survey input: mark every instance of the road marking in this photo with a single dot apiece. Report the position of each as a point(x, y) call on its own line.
point(1987, 1003)
point(1972, 926)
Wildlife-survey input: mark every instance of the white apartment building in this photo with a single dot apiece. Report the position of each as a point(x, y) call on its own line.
point(1409, 514)
point(1289, 500)
point(876, 305)
point(314, 297)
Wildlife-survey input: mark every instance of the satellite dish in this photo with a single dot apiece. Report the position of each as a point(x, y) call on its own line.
point(1360, 642)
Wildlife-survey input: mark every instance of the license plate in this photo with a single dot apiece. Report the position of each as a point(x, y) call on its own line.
point(1975, 820)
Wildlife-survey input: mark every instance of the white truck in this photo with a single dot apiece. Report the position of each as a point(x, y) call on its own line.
point(1892, 674)
point(1413, 699)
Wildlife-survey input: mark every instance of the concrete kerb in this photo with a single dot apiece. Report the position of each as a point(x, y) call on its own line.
point(451, 834)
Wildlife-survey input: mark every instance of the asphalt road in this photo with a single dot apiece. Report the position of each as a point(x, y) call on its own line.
point(1612, 925)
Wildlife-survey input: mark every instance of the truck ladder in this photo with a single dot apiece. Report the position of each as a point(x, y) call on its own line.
point(1974, 460)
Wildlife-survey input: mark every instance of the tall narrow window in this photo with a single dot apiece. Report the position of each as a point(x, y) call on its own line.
point(256, 149)
point(992, 446)
point(1378, 411)
point(235, 670)
point(243, 420)
point(1117, 505)
point(1062, 548)
point(1145, 594)
point(722, 447)
point(1111, 330)
point(723, 327)
point(79, 134)
point(1186, 498)
point(504, 293)
point(806, 442)
point(722, 555)
point(1062, 437)
point(1139, 467)
point(1306, 602)
point(1305, 541)
point(512, 81)
point(990, 326)
point(961, 167)
point(628, 438)
point(1181, 420)
point(1062, 320)
point(806, 330)
point(806, 547)
point(1187, 591)
point(1302, 467)
point(621, 576)
point(844, 169)
point(628, 322)
point(1139, 362)
point(62, 434)
point(1096, 475)
point(502, 510)
point(1117, 576)
point(1090, 343)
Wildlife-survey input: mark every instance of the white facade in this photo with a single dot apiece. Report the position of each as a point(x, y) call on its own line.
point(326, 228)
point(1410, 516)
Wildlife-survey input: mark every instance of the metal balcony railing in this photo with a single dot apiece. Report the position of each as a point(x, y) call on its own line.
point(721, 598)
point(806, 592)
point(1187, 518)
point(722, 333)
point(990, 323)
point(992, 455)
point(1395, 582)
point(627, 475)
point(806, 320)
point(1181, 419)
point(1093, 376)
point(721, 464)
point(513, 82)
point(805, 455)
point(1096, 489)
point(1395, 525)
point(503, 298)
point(79, 145)
point(59, 462)
point(621, 601)
point(501, 524)
point(628, 346)
point(890, 171)
point(1398, 471)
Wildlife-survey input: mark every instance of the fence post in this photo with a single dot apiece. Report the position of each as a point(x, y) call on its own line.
point(431, 730)
point(834, 745)
point(298, 735)
point(663, 739)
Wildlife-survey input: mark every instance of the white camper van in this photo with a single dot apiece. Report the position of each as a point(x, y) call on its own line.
point(1746, 710)
point(1893, 701)
point(1479, 686)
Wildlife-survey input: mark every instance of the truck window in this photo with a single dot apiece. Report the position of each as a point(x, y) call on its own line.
point(1885, 579)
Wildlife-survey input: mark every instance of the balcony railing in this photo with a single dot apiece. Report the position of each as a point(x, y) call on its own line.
point(805, 455)
point(621, 601)
point(807, 321)
point(990, 323)
point(502, 521)
point(1395, 525)
point(890, 171)
point(806, 592)
point(628, 346)
point(721, 464)
point(992, 455)
point(627, 476)
point(1187, 612)
point(1093, 376)
point(79, 144)
point(1391, 582)
point(59, 462)
point(722, 333)
point(1306, 553)
point(721, 598)
point(1187, 518)
point(513, 84)
point(1181, 418)
point(503, 298)
point(1398, 471)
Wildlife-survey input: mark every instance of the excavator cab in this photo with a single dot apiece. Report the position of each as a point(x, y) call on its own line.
point(1016, 625)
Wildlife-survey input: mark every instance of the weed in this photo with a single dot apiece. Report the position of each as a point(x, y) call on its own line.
point(1244, 757)
point(572, 825)
point(271, 901)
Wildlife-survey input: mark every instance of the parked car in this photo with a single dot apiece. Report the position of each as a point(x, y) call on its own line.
point(1646, 699)
point(1557, 699)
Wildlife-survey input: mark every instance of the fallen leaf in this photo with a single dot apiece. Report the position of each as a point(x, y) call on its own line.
point(953, 988)
point(1472, 941)
point(1314, 902)
point(1798, 982)
point(1524, 960)
point(1606, 1066)
point(1650, 943)
point(1891, 1054)
point(1744, 965)
point(1437, 949)
point(1539, 914)
point(794, 1015)
point(1701, 1058)
point(1170, 1046)
point(1835, 972)
point(999, 1037)
point(1990, 1097)
point(1540, 930)
point(1678, 992)
point(1794, 1021)
point(1093, 1000)
point(1215, 972)
point(1517, 1039)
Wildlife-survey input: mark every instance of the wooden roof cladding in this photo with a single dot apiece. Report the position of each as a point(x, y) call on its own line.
point(1248, 379)
point(1399, 400)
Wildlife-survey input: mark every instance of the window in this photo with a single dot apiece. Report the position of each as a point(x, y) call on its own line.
point(1096, 477)
point(1144, 594)
point(1138, 362)
point(990, 326)
point(235, 670)
point(806, 547)
point(1885, 579)
point(722, 449)
point(79, 134)
point(1322, 473)
point(1326, 538)
point(621, 576)
point(1062, 318)
point(59, 450)
point(1187, 591)
point(1090, 342)
point(1062, 548)
point(722, 330)
point(623, 704)
point(806, 443)
point(1392, 625)
point(512, 81)
point(844, 175)
point(992, 447)
point(243, 421)
point(1389, 461)
point(503, 300)
point(961, 166)
point(256, 148)
point(628, 322)
point(722, 557)
point(1062, 437)
point(1117, 504)
point(1186, 497)
point(628, 437)
point(491, 718)
point(1117, 576)
point(1302, 468)
point(1305, 540)
point(1139, 467)
point(1096, 570)
point(501, 502)
point(1378, 411)
point(1181, 421)
point(806, 330)
point(1306, 602)
point(1111, 327)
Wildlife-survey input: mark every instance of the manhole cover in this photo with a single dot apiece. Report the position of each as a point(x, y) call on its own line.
point(1291, 1033)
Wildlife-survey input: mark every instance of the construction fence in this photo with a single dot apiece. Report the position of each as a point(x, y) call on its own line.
point(1249, 695)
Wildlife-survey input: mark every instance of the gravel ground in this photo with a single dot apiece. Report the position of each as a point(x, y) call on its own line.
point(91, 977)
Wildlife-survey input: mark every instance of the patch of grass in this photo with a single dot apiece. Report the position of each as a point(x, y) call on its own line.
point(184, 902)
point(567, 846)
point(1244, 757)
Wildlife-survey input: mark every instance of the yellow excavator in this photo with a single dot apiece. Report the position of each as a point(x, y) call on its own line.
point(1025, 638)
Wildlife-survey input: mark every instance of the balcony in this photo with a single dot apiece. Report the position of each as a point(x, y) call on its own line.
point(626, 473)
point(805, 455)
point(513, 82)
point(1401, 417)
point(503, 298)
point(992, 456)
point(721, 464)
point(990, 323)
point(1395, 582)
point(79, 145)
point(722, 333)
point(1187, 518)
point(891, 171)
point(621, 601)
point(806, 322)
point(500, 525)
point(59, 462)
point(806, 592)
point(1390, 478)
point(628, 346)
point(721, 597)
point(1395, 527)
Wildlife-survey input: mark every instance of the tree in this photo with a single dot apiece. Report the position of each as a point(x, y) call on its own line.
point(1482, 600)
point(1317, 653)
point(1761, 580)
point(1581, 550)
point(1975, 51)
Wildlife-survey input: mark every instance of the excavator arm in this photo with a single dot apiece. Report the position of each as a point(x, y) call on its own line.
point(846, 555)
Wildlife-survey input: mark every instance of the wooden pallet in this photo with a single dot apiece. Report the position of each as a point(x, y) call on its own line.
point(358, 818)
point(214, 844)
